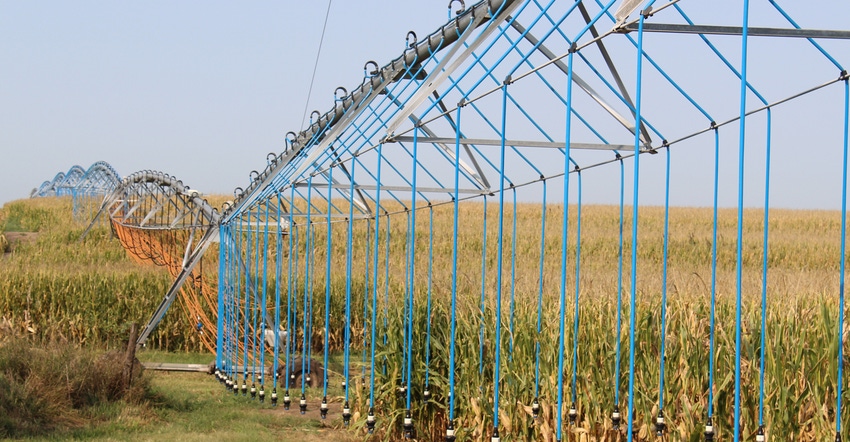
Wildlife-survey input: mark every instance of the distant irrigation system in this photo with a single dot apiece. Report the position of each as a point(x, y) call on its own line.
point(332, 255)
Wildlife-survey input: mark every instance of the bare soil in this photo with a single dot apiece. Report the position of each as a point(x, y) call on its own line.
point(16, 238)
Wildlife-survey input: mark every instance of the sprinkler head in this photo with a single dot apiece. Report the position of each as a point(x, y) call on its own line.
point(323, 409)
point(535, 409)
point(262, 393)
point(426, 395)
point(286, 400)
point(343, 385)
point(408, 425)
point(709, 431)
point(760, 434)
point(302, 404)
point(274, 397)
point(244, 389)
point(573, 414)
point(370, 421)
point(495, 437)
point(660, 424)
point(450, 433)
point(253, 391)
point(616, 418)
point(346, 414)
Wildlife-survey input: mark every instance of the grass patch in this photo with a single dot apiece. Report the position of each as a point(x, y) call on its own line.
point(58, 387)
point(146, 355)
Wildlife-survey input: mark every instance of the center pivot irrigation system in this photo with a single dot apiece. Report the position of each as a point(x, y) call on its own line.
point(341, 244)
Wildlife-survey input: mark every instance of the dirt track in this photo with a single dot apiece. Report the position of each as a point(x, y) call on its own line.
point(16, 238)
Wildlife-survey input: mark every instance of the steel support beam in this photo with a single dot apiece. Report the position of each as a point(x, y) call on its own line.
point(518, 143)
point(398, 188)
point(737, 30)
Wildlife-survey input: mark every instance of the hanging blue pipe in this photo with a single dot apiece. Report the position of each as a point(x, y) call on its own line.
point(247, 302)
point(739, 252)
point(386, 287)
point(223, 300)
point(290, 280)
point(483, 307)
point(619, 289)
point(308, 280)
point(405, 349)
point(842, 262)
point(233, 328)
point(636, 187)
point(428, 308)
point(308, 306)
point(226, 288)
point(348, 257)
point(712, 324)
point(412, 259)
point(263, 303)
point(564, 232)
point(664, 284)
point(454, 277)
point(366, 293)
point(540, 295)
point(499, 254)
point(764, 269)
point(375, 280)
point(513, 279)
point(256, 306)
point(278, 271)
point(328, 260)
point(578, 286)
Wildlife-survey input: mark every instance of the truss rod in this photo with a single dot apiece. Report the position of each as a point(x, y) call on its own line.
point(580, 81)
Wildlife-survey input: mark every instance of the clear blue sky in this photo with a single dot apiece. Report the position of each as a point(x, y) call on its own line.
point(203, 90)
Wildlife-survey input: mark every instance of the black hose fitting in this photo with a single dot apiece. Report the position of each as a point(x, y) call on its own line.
point(302, 404)
point(346, 414)
point(323, 409)
point(286, 400)
point(274, 397)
